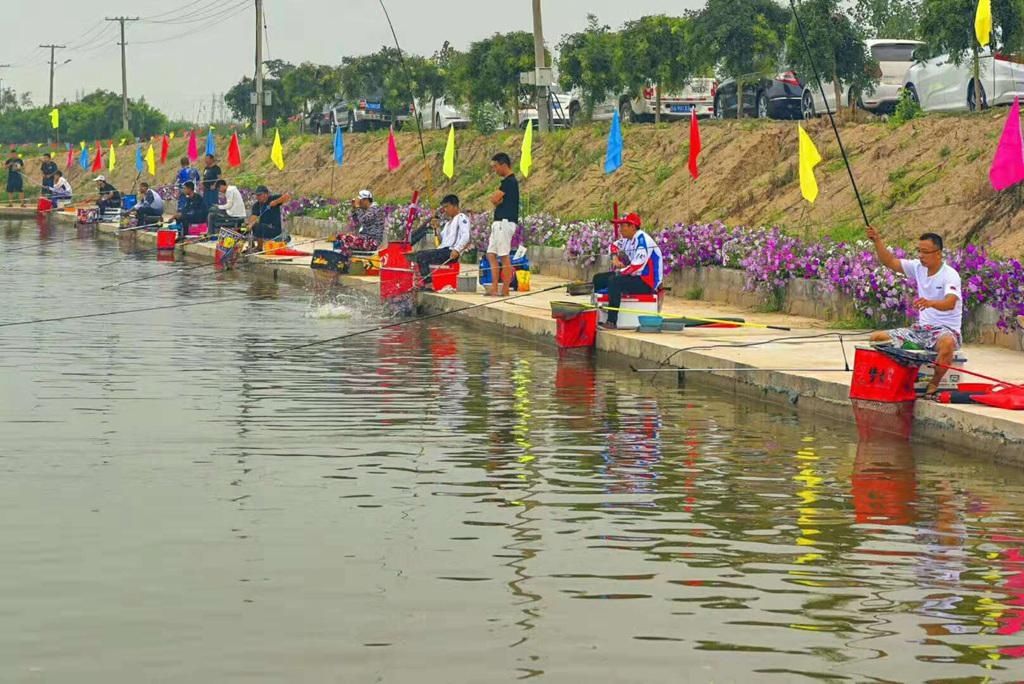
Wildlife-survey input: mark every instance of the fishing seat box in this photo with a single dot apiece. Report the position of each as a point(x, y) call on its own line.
point(878, 377)
point(445, 275)
point(197, 229)
point(639, 305)
point(88, 215)
point(327, 260)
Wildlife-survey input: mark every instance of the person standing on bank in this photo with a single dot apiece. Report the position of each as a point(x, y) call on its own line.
point(48, 168)
point(506, 219)
point(211, 174)
point(638, 268)
point(939, 301)
point(15, 182)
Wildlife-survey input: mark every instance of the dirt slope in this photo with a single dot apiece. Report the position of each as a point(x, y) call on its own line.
point(928, 174)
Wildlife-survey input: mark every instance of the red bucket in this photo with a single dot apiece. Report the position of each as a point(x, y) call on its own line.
point(166, 239)
point(395, 282)
point(44, 205)
point(877, 377)
point(578, 331)
point(445, 276)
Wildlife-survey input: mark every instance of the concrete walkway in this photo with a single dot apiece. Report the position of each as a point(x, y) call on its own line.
point(824, 387)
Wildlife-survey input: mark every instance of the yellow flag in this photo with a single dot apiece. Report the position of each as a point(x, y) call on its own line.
point(81, 145)
point(54, 118)
point(122, 141)
point(449, 153)
point(171, 136)
point(112, 158)
point(809, 158)
point(277, 152)
point(151, 161)
point(983, 22)
point(526, 159)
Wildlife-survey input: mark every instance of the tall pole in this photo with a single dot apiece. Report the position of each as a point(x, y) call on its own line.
point(53, 49)
point(124, 71)
point(540, 62)
point(2, 105)
point(259, 70)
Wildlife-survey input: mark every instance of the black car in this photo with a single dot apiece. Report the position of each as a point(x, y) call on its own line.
point(774, 98)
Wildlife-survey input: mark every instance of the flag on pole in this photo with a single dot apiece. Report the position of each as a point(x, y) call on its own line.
point(1008, 164)
point(138, 159)
point(193, 147)
point(211, 145)
point(151, 160)
point(112, 158)
point(393, 161)
point(71, 158)
point(277, 152)
point(54, 118)
point(81, 145)
point(809, 158)
point(695, 145)
point(339, 146)
point(613, 158)
point(83, 159)
point(172, 135)
point(165, 147)
point(234, 151)
point(526, 155)
point(983, 22)
point(449, 154)
point(97, 162)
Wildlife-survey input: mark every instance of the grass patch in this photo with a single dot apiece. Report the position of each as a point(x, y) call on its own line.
point(898, 175)
point(945, 152)
point(694, 293)
point(973, 155)
point(663, 173)
point(856, 322)
point(845, 232)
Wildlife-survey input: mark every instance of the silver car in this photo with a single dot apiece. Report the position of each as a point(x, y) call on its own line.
point(894, 57)
point(939, 85)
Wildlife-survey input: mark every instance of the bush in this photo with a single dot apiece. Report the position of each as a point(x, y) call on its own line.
point(486, 117)
point(906, 109)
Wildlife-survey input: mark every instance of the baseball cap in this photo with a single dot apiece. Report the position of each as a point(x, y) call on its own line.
point(262, 189)
point(98, 179)
point(365, 194)
point(632, 219)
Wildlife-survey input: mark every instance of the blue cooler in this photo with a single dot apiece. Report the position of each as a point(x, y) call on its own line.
point(517, 265)
point(128, 202)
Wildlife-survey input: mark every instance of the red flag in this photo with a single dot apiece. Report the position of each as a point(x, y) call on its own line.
point(694, 144)
point(97, 163)
point(193, 147)
point(234, 151)
point(165, 147)
point(71, 158)
point(393, 161)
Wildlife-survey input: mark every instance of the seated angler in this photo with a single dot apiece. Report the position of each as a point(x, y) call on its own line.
point(150, 209)
point(265, 221)
point(192, 209)
point(637, 266)
point(454, 239)
point(231, 214)
point(61, 190)
point(109, 197)
point(939, 301)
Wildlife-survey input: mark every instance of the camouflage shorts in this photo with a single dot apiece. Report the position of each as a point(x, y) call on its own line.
point(924, 336)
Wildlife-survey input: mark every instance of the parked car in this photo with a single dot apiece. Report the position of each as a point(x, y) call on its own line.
point(368, 113)
point(320, 122)
point(894, 57)
point(767, 98)
point(699, 94)
point(939, 85)
point(440, 114)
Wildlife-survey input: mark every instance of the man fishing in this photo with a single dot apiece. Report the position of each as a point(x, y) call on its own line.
point(454, 239)
point(150, 209)
point(231, 214)
point(939, 301)
point(638, 267)
point(265, 221)
point(185, 174)
point(110, 197)
point(48, 169)
point(368, 220)
point(192, 211)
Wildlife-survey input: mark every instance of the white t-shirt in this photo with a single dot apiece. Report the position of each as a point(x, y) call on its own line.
point(939, 286)
point(455, 234)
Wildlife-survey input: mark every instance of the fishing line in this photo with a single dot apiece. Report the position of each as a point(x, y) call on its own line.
point(828, 110)
point(120, 312)
point(787, 340)
point(417, 319)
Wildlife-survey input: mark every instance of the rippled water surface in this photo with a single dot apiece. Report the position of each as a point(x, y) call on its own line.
point(440, 503)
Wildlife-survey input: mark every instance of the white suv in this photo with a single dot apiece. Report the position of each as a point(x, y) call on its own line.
point(894, 57)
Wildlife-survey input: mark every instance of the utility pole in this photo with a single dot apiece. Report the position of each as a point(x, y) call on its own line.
point(2, 66)
point(259, 70)
point(124, 71)
point(540, 62)
point(53, 49)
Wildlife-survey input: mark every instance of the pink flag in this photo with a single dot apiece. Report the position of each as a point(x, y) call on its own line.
point(1008, 164)
point(393, 161)
point(193, 147)
point(71, 158)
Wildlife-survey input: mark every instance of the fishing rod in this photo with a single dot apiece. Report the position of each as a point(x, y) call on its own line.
point(120, 312)
point(418, 319)
point(720, 321)
point(787, 340)
point(738, 370)
point(828, 110)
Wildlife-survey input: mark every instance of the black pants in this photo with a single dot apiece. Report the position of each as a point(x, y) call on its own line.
point(262, 231)
point(149, 216)
point(108, 204)
point(618, 285)
point(428, 257)
point(219, 218)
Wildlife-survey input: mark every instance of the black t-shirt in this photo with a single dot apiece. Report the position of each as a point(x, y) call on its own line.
point(13, 165)
point(211, 174)
point(268, 215)
point(508, 210)
point(107, 187)
point(49, 168)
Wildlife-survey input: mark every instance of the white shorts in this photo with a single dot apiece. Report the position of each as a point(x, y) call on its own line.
point(501, 238)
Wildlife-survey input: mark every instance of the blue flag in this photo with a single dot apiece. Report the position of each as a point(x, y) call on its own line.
point(339, 146)
point(139, 164)
point(83, 160)
point(613, 159)
point(211, 146)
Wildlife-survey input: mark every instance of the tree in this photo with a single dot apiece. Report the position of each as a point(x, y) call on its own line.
point(489, 70)
point(589, 61)
point(746, 36)
point(947, 26)
point(96, 116)
point(888, 18)
point(659, 51)
point(833, 45)
point(310, 86)
point(238, 100)
point(398, 79)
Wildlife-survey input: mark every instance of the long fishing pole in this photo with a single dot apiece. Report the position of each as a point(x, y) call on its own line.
point(738, 370)
point(828, 110)
point(120, 312)
point(418, 319)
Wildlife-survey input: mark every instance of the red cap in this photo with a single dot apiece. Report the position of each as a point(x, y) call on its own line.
point(632, 219)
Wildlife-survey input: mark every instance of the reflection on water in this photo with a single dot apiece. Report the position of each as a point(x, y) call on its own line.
point(440, 503)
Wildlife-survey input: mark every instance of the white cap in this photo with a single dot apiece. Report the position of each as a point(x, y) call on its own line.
point(365, 194)
point(97, 179)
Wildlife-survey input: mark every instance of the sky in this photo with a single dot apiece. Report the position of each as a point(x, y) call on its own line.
point(178, 60)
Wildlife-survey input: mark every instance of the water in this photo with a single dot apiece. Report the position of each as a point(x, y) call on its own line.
point(438, 503)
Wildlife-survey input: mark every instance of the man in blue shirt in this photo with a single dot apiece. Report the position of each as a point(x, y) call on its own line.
point(185, 175)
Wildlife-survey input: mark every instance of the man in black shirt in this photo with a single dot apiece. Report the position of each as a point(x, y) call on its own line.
point(48, 169)
point(15, 183)
point(506, 218)
point(265, 221)
point(211, 174)
point(192, 211)
point(110, 198)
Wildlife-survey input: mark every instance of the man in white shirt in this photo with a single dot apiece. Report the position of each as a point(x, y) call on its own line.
point(231, 214)
point(454, 239)
point(61, 191)
point(939, 301)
